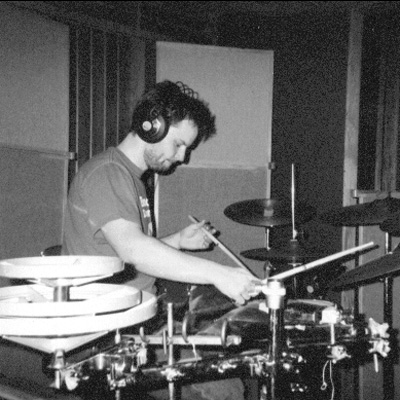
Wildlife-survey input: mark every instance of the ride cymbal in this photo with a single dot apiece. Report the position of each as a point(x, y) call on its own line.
point(372, 213)
point(374, 270)
point(268, 212)
point(292, 252)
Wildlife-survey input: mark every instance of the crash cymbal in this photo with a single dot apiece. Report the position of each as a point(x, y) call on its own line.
point(391, 225)
point(369, 272)
point(268, 212)
point(372, 213)
point(292, 252)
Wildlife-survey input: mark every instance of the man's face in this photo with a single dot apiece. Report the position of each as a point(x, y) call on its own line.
point(160, 157)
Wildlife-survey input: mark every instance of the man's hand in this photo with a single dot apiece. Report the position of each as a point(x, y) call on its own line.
point(193, 238)
point(236, 283)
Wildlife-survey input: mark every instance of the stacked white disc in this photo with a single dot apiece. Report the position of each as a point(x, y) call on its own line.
point(37, 316)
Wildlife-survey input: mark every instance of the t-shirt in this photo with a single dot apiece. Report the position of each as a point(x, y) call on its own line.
point(106, 188)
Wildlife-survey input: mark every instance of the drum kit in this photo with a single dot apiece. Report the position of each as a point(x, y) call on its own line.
point(270, 339)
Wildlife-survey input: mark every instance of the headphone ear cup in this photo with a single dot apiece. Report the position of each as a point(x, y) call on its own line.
point(154, 131)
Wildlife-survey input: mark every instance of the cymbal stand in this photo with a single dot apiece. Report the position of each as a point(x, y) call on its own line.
point(294, 232)
point(356, 307)
point(294, 280)
point(267, 265)
point(388, 371)
point(170, 332)
point(275, 292)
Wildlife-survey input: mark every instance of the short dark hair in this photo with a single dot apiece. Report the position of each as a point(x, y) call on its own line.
point(176, 102)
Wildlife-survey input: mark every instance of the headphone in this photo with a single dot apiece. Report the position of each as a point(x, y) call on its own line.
point(154, 116)
point(154, 127)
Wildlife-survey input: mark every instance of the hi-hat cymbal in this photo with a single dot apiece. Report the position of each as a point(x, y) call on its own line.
point(369, 272)
point(391, 225)
point(268, 212)
point(292, 252)
point(372, 213)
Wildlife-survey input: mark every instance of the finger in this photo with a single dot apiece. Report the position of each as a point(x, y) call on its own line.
point(208, 227)
point(198, 224)
point(207, 240)
point(246, 295)
point(255, 292)
point(253, 286)
point(238, 301)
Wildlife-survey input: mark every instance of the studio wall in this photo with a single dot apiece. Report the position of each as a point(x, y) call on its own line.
point(34, 96)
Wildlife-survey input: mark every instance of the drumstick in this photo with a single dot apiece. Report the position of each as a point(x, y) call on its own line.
point(321, 261)
point(222, 247)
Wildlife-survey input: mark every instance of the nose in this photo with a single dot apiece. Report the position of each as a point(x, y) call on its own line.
point(180, 155)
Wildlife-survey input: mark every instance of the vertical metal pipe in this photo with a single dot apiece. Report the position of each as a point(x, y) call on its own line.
point(388, 370)
point(267, 240)
point(388, 362)
point(170, 330)
point(275, 329)
point(356, 307)
point(61, 293)
point(275, 302)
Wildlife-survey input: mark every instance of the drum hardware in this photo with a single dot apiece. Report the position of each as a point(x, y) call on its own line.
point(64, 309)
point(125, 363)
point(124, 370)
point(57, 364)
point(382, 269)
point(279, 366)
point(275, 293)
point(385, 213)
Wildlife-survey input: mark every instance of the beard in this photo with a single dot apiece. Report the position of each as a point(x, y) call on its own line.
point(154, 163)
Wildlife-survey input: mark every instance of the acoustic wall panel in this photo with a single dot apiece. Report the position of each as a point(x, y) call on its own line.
point(33, 192)
point(237, 84)
point(34, 79)
point(34, 98)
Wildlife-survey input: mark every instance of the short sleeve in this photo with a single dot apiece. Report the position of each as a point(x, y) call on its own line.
point(109, 194)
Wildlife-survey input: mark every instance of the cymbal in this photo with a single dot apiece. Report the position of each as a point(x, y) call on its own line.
point(293, 251)
point(391, 225)
point(372, 213)
point(268, 212)
point(374, 270)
